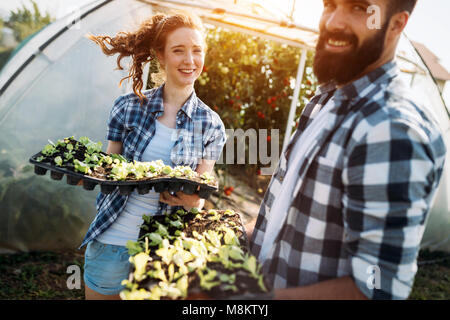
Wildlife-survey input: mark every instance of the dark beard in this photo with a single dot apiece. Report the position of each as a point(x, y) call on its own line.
point(343, 68)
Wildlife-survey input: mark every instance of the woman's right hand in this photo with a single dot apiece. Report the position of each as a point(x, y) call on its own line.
point(114, 147)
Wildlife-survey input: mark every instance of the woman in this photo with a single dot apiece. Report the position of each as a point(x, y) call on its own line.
point(168, 123)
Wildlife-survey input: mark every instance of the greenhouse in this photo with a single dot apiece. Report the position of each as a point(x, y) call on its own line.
point(59, 84)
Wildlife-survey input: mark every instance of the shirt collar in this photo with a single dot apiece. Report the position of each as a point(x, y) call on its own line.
point(326, 88)
point(356, 88)
point(156, 102)
point(190, 104)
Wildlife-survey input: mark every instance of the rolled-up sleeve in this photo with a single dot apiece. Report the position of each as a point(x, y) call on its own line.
point(115, 131)
point(388, 177)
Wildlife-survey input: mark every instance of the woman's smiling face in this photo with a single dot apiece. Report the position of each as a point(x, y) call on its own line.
point(183, 57)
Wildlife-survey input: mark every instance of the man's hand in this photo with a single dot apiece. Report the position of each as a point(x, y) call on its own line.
point(249, 227)
point(335, 289)
point(181, 199)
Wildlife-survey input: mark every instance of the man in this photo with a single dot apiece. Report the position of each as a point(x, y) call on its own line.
point(345, 211)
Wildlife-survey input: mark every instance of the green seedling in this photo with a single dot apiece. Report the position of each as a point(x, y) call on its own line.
point(48, 150)
point(229, 212)
point(171, 290)
point(60, 143)
point(93, 147)
point(167, 170)
point(118, 157)
point(207, 178)
point(175, 223)
point(84, 141)
point(230, 237)
point(105, 159)
point(68, 155)
point(156, 271)
point(155, 239)
point(58, 161)
point(81, 167)
point(120, 171)
point(161, 229)
point(227, 278)
point(146, 218)
point(207, 280)
point(133, 247)
point(194, 210)
point(140, 264)
point(251, 265)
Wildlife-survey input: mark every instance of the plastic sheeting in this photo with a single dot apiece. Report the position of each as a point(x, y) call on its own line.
point(67, 89)
point(61, 84)
point(425, 90)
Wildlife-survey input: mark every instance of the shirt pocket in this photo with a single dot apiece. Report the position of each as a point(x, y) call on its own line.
point(94, 249)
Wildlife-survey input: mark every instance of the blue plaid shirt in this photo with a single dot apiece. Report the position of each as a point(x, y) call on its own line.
point(363, 194)
point(200, 135)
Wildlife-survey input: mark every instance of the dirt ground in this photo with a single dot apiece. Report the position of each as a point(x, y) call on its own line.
point(44, 276)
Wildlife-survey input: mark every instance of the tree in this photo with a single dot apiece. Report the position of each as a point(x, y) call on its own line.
point(249, 82)
point(25, 22)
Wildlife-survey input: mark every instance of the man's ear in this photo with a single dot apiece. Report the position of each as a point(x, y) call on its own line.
point(398, 23)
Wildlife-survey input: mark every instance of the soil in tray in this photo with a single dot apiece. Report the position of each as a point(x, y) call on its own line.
point(244, 285)
point(78, 153)
point(198, 225)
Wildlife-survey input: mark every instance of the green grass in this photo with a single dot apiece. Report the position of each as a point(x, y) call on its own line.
point(39, 275)
point(43, 276)
point(432, 280)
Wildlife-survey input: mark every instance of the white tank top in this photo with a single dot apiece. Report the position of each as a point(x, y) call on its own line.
point(127, 225)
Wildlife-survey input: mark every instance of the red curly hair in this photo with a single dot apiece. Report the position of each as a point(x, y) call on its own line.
point(143, 43)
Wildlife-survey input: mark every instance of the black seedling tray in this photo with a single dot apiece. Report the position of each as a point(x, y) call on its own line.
point(244, 244)
point(125, 187)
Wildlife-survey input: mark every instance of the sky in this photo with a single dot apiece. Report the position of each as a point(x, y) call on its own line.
point(429, 23)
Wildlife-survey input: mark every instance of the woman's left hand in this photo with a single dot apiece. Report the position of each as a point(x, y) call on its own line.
point(185, 200)
point(181, 199)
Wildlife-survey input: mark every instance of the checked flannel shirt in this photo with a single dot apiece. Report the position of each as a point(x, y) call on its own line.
point(200, 135)
point(363, 194)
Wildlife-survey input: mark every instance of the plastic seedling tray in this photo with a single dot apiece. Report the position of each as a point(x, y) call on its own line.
point(189, 187)
point(125, 187)
point(194, 289)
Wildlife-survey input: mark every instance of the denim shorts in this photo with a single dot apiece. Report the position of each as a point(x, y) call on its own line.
point(105, 266)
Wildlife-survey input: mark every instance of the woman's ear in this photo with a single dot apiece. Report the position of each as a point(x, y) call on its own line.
point(160, 58)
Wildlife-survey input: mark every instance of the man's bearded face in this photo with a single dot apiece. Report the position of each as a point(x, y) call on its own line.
point(344, 66)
